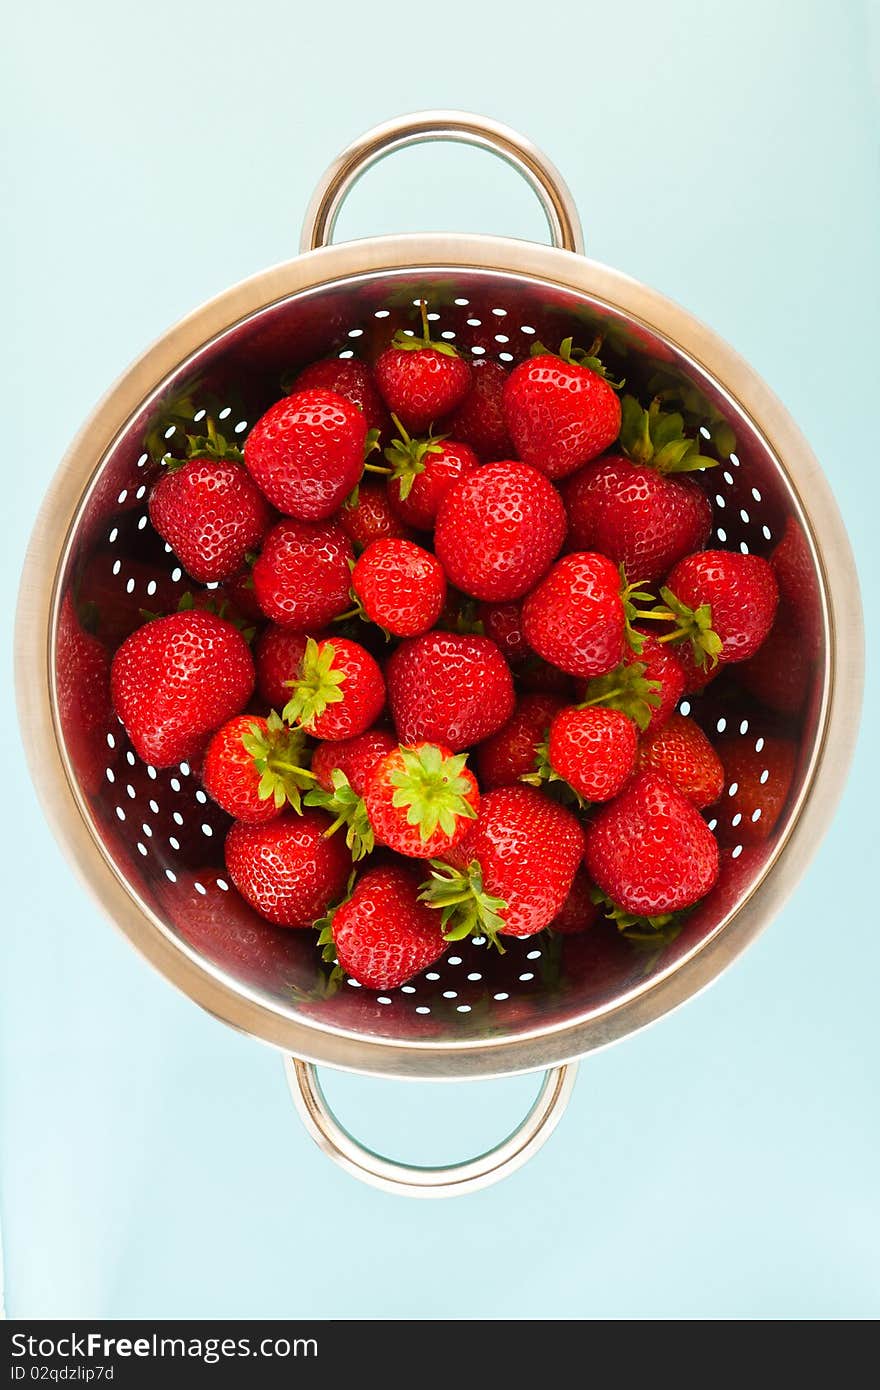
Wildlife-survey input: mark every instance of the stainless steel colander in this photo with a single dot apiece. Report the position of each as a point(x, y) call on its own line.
point(149, 844)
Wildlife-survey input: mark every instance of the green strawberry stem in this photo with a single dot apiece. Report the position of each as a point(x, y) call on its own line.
point(629, 592)
point(546, 776)
point(408, 456)
point(632, 925)
point(406, 342)
point(317, 686)
point(277, 754)
point(466, 908)
point(691, 624)
point(656, 437)
point(429, 785)
point(627, 689)
point(324, 925)
point(348, 809)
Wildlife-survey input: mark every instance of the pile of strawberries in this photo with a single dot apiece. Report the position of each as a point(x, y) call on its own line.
point(481, 595)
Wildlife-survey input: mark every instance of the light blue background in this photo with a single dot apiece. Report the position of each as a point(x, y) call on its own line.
point(722, 1164)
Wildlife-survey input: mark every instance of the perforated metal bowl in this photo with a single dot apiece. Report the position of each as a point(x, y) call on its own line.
point(149, 844)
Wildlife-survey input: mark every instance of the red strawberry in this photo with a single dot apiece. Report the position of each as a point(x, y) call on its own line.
point(479, 420)
point(368, 515)
point(401, 587)
point(422, 472)
point(451, 688)
point(634, 507)
point(253, 768)
point(420, 380)
point(421, 800)
point(513, 871)
point(576, 618)
point(647, 686)
point(560, 413)
point(593, 750)
point(339, 691)
point(82, 679)
point(722, 602)
point(347, 377)
point(177, 679)
point(681, 751)
point(512, 753)
point(290, 870)
point(779, 673)
point(382, 935)
point(498, 529)
point(355, 757)
point(307, 453)
point(762, 779)
point(578, 913)
point(503, 623)
point(798, 584)
point(278, 654)
point(650, 850)
point(302, 577)
point(209, 509)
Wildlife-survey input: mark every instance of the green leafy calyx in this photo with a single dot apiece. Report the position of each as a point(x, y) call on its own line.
point(467, 909)
point(581, 357)
point(414, 343)
point(277, 753)
point(631, 924)
point(545, 775)
point(430, 787)
point(324, 925)
point(348, 809)
point(627, 689)
point(692, 625)
point(316, 687)
point(630, 594)
point(409, 457)
point(656, 437)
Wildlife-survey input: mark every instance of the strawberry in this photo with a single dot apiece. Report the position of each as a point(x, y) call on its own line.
point(503, 623)
point(339, 691)
point(593, 750)
point(633, 507)
point(253, 768)
point(512, 872)
point(368, 516)
point(82, 681)
point(354, 380)
point(238, 593)
point(450, 688)
point(647, 686)
point(420, 380)
point(577, 617)
point(354, 757)
point(681, 751)
point(302, 577)
point(650, 850)
point(479, 420)
point(758, 784)
point(798, 584)
point(560, 411)
point(307, 453)
point(400, 586)
point(538, 676)
point(421, 800)
point(383, 935)
point(498, 529)
point(695, 676)
point(278, 654)
point(422, 472)
point(579, 912)
point(177, 679)
point(779, 673)
point(511, 753)
point(721, 602)
point(209, 509)
point(290, 870)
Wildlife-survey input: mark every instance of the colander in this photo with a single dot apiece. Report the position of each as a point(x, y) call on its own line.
point(148, 843)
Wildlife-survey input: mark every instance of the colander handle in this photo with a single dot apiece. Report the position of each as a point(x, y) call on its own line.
point(459, 127)
point(408, 1181)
